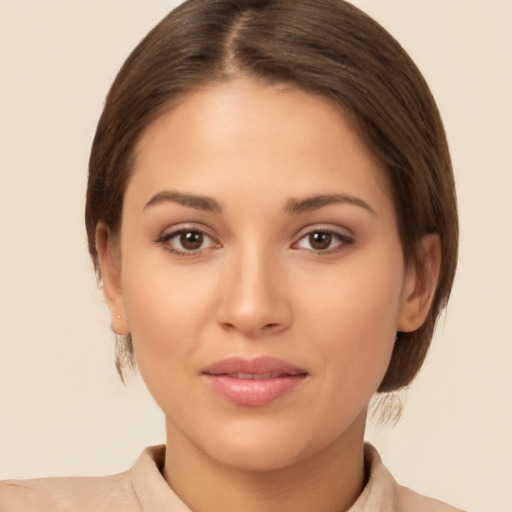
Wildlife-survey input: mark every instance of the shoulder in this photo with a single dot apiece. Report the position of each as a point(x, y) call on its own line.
point(412, 501)
point(382, 492)
point(72, 494)
point(141, 488)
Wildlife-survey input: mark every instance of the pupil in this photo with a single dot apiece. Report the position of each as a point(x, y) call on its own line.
point(320, 240)
point(191, 240)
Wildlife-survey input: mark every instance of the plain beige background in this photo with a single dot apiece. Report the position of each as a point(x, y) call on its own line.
point(63, 410)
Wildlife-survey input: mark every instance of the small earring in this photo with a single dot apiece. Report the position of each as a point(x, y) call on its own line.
point(118, 317)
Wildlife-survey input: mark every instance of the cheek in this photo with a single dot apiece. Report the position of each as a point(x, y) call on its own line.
point(164, 315)
point(164, 307)
point(353, 316)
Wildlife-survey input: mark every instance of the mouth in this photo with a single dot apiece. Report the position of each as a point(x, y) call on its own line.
point(254, 382)
point(256, 376)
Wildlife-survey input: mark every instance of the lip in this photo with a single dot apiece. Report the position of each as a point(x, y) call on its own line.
point(253, 382)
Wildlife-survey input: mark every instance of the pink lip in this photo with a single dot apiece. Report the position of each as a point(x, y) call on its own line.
point(253, 382)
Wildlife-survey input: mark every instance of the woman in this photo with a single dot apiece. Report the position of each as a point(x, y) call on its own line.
point(271, 210)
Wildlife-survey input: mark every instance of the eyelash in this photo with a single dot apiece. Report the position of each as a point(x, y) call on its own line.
point(166, 238)
point(343, 241)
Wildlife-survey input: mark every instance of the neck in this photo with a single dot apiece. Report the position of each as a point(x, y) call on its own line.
point(328, 481)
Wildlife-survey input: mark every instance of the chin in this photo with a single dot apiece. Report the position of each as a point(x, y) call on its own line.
point(258, 458)
point(263, 450)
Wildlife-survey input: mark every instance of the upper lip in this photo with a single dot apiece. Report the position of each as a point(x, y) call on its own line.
point(257, 366)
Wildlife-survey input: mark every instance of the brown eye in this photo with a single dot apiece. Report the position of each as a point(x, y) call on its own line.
point(187, 242)
point(320, 240)
point(324, 242)
point(191, 240)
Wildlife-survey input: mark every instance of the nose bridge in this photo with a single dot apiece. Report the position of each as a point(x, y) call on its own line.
point(253, 298)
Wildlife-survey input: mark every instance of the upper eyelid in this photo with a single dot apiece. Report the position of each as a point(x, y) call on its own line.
point(178, 228)
point(327, 228)
point(343, 238)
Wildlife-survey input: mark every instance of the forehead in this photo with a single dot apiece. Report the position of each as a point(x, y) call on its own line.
point(246, 133)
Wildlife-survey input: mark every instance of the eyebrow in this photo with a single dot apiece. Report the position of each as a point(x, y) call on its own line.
point(190, 200)
point(315, 202)
point(293, 205)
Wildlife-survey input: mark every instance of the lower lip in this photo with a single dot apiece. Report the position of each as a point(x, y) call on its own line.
point(254, 392)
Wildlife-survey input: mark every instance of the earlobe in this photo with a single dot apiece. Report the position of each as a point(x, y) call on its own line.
point(420, 285)
point(110, 265)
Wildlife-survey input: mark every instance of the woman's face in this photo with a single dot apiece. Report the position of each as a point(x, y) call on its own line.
point(261, 273)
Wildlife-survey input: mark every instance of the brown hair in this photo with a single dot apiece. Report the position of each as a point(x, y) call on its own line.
point(326, 47)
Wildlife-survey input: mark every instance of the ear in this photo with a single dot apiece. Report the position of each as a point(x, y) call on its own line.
point(420, 285)
point(109, 258)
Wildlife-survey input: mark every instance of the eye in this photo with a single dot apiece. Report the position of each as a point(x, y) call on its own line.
point(323, 241)
point(187, 241)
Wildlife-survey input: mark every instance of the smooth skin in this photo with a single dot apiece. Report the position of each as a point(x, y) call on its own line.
point(256, 223)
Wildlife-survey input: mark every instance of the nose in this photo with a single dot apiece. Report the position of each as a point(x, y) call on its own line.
point(254, 300)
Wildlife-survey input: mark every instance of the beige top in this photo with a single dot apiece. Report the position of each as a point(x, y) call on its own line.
point(143, 488)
